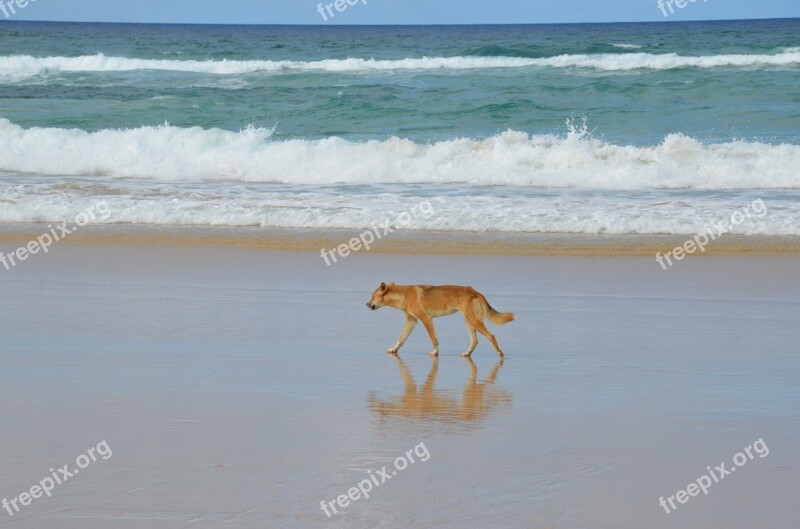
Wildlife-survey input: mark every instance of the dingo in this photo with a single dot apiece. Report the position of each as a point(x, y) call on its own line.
point(425, 302)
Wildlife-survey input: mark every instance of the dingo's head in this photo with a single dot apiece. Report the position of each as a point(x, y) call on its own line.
point(376, 301)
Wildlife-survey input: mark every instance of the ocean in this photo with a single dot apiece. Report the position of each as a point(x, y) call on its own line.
point(584, 128)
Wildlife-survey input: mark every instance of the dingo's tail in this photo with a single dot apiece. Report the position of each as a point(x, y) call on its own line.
point(498, 318)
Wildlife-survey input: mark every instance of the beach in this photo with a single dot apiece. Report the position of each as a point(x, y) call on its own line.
point(194, 217)
point(242, 387)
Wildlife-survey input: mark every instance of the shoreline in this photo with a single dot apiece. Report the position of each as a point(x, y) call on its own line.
point(401, 242)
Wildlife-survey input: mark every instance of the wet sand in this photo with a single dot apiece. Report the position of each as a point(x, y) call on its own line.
point(240, 388)
point(404, 241)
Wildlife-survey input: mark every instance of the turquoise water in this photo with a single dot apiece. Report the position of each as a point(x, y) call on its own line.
point(592, 128)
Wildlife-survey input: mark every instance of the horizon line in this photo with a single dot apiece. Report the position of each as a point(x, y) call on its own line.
point(322, 25)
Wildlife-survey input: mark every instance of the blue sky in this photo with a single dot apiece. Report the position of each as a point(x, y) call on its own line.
point(396, 11)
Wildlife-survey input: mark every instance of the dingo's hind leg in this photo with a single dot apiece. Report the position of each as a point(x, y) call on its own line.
point(476, 320)
point(473, 338)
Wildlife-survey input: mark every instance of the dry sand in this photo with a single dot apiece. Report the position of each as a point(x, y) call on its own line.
point(240, 388)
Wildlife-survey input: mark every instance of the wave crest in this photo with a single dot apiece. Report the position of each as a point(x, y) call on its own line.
point(17, 67)
point(573, 160)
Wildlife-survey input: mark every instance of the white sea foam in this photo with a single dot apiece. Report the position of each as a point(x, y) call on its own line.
point(17, 67)
point(237, 206)
point(573, 160)
point(512, 182)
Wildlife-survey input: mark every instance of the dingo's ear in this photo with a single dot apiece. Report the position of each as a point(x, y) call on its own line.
point(383, 287)
point(391, 284)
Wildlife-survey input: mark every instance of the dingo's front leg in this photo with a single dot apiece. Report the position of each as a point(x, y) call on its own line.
point(427, 321)
point(411, 322)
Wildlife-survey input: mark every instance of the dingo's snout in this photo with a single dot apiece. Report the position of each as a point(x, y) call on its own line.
point(376, 300)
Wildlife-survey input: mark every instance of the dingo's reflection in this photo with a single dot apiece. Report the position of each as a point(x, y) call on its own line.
point(478, 399)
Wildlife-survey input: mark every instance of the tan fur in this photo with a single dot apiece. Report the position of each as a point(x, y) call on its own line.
point(425, 302)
